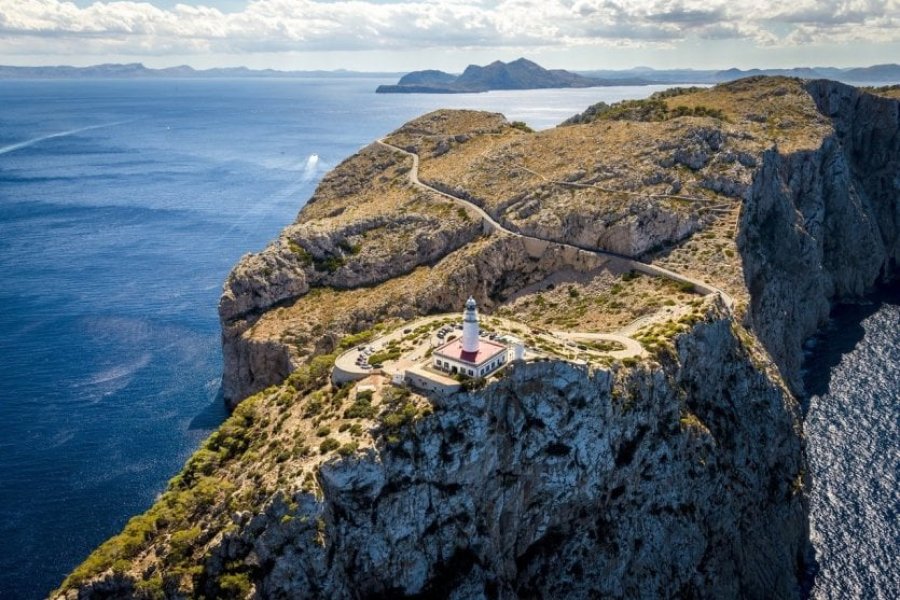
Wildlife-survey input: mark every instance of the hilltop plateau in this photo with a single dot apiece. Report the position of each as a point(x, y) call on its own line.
point(710, 228)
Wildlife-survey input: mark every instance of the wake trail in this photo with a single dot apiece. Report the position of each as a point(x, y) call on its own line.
point(37, 140)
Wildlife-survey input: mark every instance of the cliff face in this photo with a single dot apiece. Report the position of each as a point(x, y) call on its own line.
point(558, 482)
point(823, 225)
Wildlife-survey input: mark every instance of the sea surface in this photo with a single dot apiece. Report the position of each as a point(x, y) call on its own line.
point(852, 429)
point(123, 204)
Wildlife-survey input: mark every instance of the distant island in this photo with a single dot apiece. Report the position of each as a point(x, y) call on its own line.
point(521, 74)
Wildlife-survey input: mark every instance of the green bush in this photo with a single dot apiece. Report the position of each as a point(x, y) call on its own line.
point(304, 256)
point(313, 374)
point(356, 339)
point(348, 449)
point(361, 408)
point(384, 356)
point(329, 263)
point(328, 445)
point(180, 544)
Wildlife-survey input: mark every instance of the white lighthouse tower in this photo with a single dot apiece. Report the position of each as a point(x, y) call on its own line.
point(470, 327)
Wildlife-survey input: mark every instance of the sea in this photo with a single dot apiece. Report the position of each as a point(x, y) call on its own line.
point(852, 427)
point(123, 205)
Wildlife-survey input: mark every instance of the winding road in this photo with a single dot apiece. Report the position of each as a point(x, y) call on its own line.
point(492, 224)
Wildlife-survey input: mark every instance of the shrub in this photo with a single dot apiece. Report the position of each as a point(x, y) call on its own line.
point(361, 408)
point(384, 356)
point(404, 416)
point(356, 339)
point(348, 449)
point(329, 263)
point(180, 543)
point(323, 431)
point(313, 374)
point(304, 256)
point(313, 407)
point(328, 445)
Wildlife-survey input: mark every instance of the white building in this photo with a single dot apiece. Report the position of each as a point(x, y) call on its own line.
point(470, 355)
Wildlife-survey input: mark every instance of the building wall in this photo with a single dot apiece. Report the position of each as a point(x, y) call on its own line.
point(447, 364)
point(430, 385)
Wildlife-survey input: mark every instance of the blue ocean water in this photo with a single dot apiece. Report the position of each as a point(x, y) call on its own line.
point(123, 204)
point(852, 428)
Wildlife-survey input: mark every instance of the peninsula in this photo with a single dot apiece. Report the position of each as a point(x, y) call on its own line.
point(487, 362)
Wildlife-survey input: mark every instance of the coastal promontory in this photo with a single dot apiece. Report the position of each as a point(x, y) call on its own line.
point(653, 268)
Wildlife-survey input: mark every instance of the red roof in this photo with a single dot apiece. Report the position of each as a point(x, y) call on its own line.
point(486, 351)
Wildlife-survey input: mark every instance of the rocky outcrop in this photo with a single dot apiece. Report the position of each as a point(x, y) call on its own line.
point(822, 225)
point(559, 481)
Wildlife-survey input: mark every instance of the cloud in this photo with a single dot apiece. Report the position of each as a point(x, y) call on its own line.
point(141, 28)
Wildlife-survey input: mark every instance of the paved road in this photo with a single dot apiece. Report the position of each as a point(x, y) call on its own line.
point(494, 225)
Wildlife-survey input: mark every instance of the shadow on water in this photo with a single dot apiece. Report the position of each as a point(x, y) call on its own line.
point(841, 336)
point(212, 415)
point(843, 332)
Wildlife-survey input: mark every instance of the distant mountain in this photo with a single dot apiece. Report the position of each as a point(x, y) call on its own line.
point(882, 74)
point(427, 77)
point(139, 71)
point(519, 74)
point(874, 74)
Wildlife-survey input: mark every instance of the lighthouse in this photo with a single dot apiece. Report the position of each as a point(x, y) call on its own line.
point(470, 332)
point(470, 355)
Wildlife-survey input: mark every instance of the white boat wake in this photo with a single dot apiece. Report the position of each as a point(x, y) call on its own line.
point(33, 141)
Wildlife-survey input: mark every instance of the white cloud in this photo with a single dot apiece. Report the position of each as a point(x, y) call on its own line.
point(140, 28)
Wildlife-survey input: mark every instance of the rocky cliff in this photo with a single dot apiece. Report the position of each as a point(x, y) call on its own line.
point(558, 482)
point(678, 475)
point(822, 225)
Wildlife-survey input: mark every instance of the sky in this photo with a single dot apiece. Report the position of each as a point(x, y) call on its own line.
point(401, 35)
